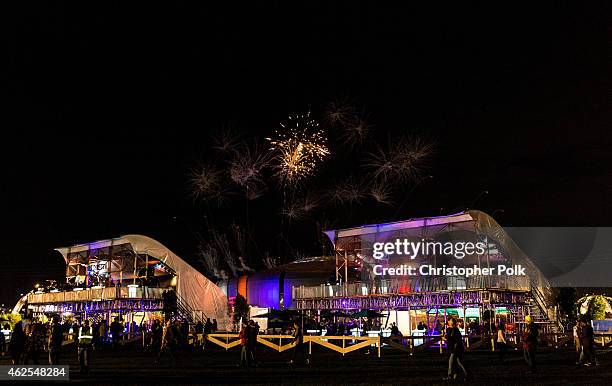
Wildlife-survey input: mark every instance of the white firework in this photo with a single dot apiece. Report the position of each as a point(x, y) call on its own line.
point(300, 146)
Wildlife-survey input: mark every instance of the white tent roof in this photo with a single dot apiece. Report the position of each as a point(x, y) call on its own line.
point(392, 226)
point(193, 288)
point(478, 221)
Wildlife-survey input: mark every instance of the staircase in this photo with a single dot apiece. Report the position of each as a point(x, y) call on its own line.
point(536, 312)
point(541, 312)
point(178, 306)
point(185, 310)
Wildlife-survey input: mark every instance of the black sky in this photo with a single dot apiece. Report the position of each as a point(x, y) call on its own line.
point(110, 105)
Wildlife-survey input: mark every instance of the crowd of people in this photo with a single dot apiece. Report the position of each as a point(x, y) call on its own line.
point(30, 344)
point(165, 339)
point(456, 349)
point(40, 343)
point(584, 343)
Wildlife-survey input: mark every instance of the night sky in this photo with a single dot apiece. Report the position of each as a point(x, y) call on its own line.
point(109, 106)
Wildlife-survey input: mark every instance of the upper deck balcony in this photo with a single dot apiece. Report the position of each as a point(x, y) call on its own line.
point(390, 287)
point(97, 294)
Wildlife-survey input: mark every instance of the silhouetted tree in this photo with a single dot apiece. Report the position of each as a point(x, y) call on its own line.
point(566, 299)
point(597, 308)
point(241, 309)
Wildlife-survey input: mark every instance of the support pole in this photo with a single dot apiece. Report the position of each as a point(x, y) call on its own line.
point(409, 321)
point(135, 265)
point(346, 272)
point(445, 319)
point(337, 267)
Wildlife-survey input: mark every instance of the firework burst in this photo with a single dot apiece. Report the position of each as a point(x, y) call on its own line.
point(226, 141)
point(255, 192)
point(381, 193)
point(246, 167)
point(300, 146)
point(339, 112)
point(347, 192)
point(355, 132)
point(403, 160)
point(310, 202)
point(293, 211)
point(207, 183)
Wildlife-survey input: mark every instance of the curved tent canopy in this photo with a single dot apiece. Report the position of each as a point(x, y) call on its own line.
point(441, 228)
point(20, 303)
point(192, 287)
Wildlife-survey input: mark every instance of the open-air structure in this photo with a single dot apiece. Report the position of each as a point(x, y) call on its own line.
point(131, 276)
point(413, 298)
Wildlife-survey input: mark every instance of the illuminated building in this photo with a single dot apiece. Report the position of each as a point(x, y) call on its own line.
point(130, 276)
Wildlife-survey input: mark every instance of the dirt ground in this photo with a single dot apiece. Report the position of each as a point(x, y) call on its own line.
point(131, 365)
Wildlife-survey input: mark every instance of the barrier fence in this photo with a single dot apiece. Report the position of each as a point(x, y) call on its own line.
point(349, 343)
point(327, 341)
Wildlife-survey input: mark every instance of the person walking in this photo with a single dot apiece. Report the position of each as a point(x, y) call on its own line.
point(501, 341)
point(157, 332)
point(96, 335)
point(85, 339)
point(587, 340)
point(17, 344)
point(300, 347)
point(168, 341)
point(184, 334)
point(244, 341)
point(454, 343)
point(252, 332)
point(2, 343)
point(577, 331)
point(530, 343)
point(116, 330)
point(103, 329)
point(199, 335)
point(35, 343)
point(56, 338)
point(177, 336)
point(208, 329)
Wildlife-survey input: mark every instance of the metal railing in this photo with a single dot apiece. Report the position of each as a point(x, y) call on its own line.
point(193, 316)
point(96, 294)
point(384, 287)
point(542, 304)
